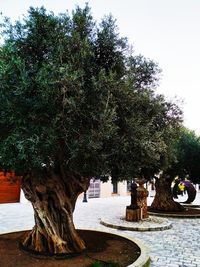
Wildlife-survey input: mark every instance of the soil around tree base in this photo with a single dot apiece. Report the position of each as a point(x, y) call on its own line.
point(186, 213)
point(101, 247)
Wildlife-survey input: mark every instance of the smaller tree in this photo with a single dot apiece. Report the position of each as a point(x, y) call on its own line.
point(188, 156)
point(184, 156)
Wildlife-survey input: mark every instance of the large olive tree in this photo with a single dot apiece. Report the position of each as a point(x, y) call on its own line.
point(74, 104)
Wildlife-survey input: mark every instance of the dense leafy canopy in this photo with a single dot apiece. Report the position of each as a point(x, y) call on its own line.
point(73, 95)
point(187, 156)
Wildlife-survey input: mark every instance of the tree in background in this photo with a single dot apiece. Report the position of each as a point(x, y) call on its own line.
point(188, 156)
point(185, 155)
point(75, 104)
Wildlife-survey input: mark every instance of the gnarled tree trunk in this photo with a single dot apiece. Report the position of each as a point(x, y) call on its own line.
point(53, 200)
point(163, 200)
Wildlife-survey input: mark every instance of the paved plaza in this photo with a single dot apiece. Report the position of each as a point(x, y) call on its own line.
point(176, 247)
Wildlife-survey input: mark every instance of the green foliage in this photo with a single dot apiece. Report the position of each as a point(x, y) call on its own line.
point(73, 96)
point(100, 264)
point(187, 156)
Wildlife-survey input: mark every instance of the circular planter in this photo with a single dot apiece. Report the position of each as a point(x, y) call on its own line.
point(144, 259)
point(92, 253)
point(150, 224)
point(177, 215)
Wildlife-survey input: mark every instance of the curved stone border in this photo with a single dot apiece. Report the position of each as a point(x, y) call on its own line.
point(153, 224)
point(190, 205)
point(172, 215)
point(142, 261)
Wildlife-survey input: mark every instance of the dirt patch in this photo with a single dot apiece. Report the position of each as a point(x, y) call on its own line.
point(101, 247)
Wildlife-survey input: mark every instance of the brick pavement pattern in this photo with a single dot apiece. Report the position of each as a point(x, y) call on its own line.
point(176, 247)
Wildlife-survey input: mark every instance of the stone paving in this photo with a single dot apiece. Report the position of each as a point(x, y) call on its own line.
point(176, 247)
point(152, 223)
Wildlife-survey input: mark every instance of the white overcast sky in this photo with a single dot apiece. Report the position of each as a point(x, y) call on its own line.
point(167, 31)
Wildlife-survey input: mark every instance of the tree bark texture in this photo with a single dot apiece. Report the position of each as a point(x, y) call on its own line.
point(163, 200)
point(53, 200)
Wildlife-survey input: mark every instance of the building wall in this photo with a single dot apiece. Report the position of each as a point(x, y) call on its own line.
point(106, 189)
point(122, 188)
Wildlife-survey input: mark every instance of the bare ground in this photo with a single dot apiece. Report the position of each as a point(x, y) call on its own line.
point(101, 247)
